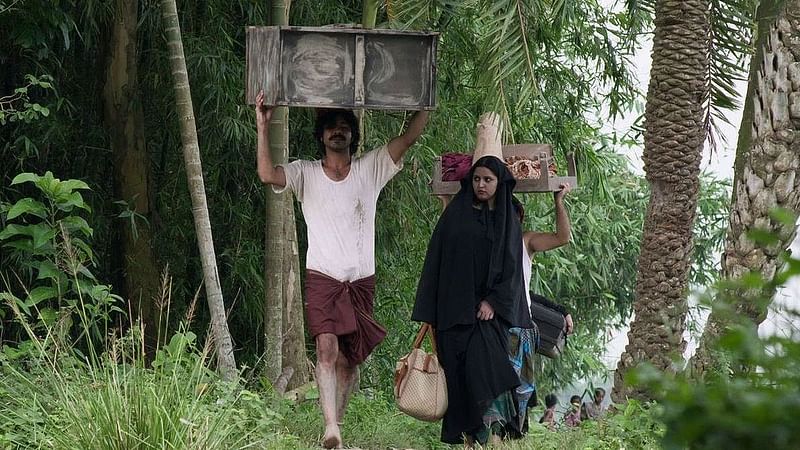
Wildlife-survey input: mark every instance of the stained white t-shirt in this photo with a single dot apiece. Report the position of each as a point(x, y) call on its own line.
point(340, 215)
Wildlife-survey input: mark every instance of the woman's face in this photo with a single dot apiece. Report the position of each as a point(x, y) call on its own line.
point(484, 183)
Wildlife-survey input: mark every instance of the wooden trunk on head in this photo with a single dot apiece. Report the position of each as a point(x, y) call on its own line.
point(545, 183)
point(342, 67)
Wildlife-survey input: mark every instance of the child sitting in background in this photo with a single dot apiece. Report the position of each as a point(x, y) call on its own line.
point(573, 417)
point(549, 417)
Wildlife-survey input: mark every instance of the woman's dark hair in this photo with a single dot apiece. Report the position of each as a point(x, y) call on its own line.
point(490, 162)
point(327, 119)
point(518, 208)
point(550, 400)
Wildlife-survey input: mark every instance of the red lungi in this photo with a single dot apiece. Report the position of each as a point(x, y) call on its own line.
point(343, 309)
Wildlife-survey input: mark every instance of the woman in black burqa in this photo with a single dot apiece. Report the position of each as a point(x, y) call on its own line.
point(471, 291)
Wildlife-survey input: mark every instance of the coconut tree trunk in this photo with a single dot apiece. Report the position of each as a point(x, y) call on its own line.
point(124, 122)
point(221, 336)
point(673, 144)
point(769, 178)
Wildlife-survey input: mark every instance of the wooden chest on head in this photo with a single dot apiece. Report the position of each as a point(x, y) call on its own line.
point(537, 156)
point(332, 67)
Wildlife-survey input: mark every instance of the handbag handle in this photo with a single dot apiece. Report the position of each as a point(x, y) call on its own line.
point(426, 328)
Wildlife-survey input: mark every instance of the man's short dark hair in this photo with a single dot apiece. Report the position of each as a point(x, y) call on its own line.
point(326, 118)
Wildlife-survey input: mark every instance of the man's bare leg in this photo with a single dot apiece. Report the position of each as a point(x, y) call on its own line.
point(346, 377)
point(327, 353)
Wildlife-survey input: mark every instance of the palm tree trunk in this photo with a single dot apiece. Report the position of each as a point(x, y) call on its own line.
point(221, 336)
point(124, 121)
point(766, 14)
point(768, 177)
point(275, 236)
point(673, 144)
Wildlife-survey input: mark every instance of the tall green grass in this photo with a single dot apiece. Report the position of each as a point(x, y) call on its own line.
point(118, 403)
point(54, 396)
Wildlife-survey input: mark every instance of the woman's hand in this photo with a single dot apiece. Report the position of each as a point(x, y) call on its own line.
point(568, 326)
point(485, 311)
point(563, 190)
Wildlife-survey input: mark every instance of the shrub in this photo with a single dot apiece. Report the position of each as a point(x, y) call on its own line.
point(753, 400)
point(47, 263)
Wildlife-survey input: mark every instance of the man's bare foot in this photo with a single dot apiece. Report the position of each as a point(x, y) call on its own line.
point(332, 437)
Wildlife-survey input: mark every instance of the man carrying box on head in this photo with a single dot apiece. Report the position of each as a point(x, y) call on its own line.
point(339, 194)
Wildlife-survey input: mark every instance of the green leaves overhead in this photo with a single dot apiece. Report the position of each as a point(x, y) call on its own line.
point(730, 48)
point(554, 70)
point(533, 54)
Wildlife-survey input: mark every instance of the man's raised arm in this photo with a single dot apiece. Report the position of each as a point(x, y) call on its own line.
point(400, 145)
point(268, 173)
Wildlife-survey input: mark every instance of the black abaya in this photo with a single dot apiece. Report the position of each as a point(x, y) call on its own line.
point(474, 255)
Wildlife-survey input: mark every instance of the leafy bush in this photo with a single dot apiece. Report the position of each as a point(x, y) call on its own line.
point(56, 396)
point(754, 401)
point(47, 243)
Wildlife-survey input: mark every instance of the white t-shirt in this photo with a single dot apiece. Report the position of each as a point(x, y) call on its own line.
point(526, 272)
point(340, 215)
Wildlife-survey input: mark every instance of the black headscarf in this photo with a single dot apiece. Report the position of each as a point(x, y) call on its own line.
point(446, 292)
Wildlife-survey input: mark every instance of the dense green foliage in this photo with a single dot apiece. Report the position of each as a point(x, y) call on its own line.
point(753, 399)
point(574, 77)
point(73, 371)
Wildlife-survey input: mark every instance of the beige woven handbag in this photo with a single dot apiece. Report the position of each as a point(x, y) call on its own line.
point(419, 384)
